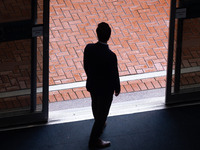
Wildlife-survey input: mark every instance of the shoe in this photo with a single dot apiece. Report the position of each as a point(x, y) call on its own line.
point(99, 144)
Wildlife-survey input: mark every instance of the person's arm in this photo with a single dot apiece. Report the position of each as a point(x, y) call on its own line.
point(86, 60)
point(116, 77)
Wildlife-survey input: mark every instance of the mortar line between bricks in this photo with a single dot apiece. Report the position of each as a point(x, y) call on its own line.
point(83, 83)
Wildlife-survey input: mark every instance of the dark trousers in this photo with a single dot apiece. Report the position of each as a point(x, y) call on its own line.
point(100, 107)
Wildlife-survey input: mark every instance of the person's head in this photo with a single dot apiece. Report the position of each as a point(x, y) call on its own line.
point(103, 32)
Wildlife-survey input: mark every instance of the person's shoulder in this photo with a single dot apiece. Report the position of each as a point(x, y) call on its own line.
point(90, 45)
point(113, 56)
point(112, 53)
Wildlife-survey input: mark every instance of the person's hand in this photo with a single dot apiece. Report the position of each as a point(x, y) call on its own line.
point(116, 94)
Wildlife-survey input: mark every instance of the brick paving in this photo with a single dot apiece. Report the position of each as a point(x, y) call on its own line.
point(15, 10)
point(129, 86)
point(139, 39)
point(139, 35)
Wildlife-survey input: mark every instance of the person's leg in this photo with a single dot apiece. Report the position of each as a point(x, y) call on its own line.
point(100, 107)
point(95, 108)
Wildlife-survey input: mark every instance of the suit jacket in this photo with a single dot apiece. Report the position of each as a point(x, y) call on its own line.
point(101, 68)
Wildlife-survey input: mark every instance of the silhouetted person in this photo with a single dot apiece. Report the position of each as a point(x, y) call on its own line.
point(100, 65)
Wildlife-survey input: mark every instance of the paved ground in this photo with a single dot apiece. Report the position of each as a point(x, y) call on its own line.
point(126, 86)
point(126, 103)
point(139, 39)
point(139, 35)
point(124, 97)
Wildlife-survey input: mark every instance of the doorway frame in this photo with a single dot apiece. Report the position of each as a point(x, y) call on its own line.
point(177, 97)
point(32, 116)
